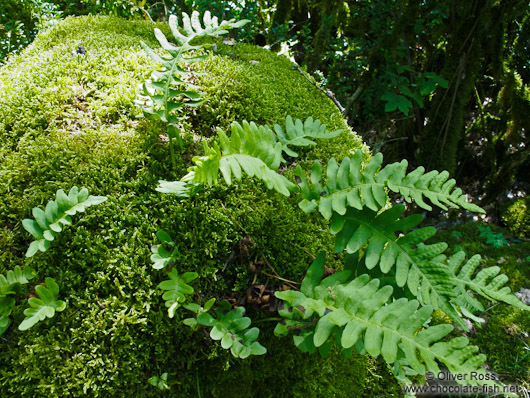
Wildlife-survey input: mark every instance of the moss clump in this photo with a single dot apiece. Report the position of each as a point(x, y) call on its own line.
point(517, 217)
point(68, 121)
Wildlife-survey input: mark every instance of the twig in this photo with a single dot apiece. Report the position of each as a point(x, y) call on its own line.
point(328, 93)
point(280, 278)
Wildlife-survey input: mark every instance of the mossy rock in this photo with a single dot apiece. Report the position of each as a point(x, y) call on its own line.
point(517, 217)
point(71, 120)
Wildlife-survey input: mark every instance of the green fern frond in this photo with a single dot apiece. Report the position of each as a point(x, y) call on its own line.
point(176, 289)
point(56, 215)
point(349, 185)
point(231, 327)
point(10, 284)
point(250, 149)
point(301, 134)
point(360, 315)
point(165, 253)
point(486, 282)
point(43, 307)
point(167, 91)
point(421, 267)
point(17, 276)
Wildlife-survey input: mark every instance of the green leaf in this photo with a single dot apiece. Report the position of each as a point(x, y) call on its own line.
point(349, 186)
point(43, 307)
point(231, 327)
point(57, 212)
point(177, 289)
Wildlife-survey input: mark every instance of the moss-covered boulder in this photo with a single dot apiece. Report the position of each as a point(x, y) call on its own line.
point(71, 120)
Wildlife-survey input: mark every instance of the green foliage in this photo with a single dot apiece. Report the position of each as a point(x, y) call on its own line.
point(492, 238)
point(232, 328)
point(487, 282)
point(517, 217)
point(301, 134)
point(359, 314)
point(256, 150)
point(168, 90)
point(349, 185)
point(177, 289)
point(116, 333)
point(56, 215)
point(161, 88)
point(43, 307)
point(10, 285)
point(159, 382)
point(164, 254)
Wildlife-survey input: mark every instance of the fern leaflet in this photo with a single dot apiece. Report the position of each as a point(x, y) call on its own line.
point(486, 282)
point(161, 94)
point(57, 214)
point(43, 307)
point(176, 289)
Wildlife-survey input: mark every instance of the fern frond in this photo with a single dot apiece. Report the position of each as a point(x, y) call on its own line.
point(250, 139)
point(231, 327)
point(57, 214)
point(250, 149)
point(349, 185)
point(301, 134)
point(167, 91)
point(421, 267)
point(176, 289)
point(10, 284)
point(17, 276)
point(165, 253)
point(359, 314)
point(486, 282)
point(43, 307)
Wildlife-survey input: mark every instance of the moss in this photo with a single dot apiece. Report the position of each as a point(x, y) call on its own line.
point(517, 217)
point(68, 121)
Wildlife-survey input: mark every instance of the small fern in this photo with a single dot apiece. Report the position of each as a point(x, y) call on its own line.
point(165, 253)
point(359, 314)
point(43, 307)
point(10, 285)
point(168, 90)
point(231, 327)
point(177, 289)
point(57, 214)
point(349, 185)
point(302, 134)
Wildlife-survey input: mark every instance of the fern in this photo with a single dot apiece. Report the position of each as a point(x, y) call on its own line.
point(486, 282)
point(165, 96)
point(251, 149)
point(231, 327)
point(360, 315)
point(162, 256)
point(10, 285)
point(301, 134)
point(57, 214)
point(168, 91)
point(349, 185)
point(422, 268)
point(255, 150)
point(177, 289)
point(43, 307)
